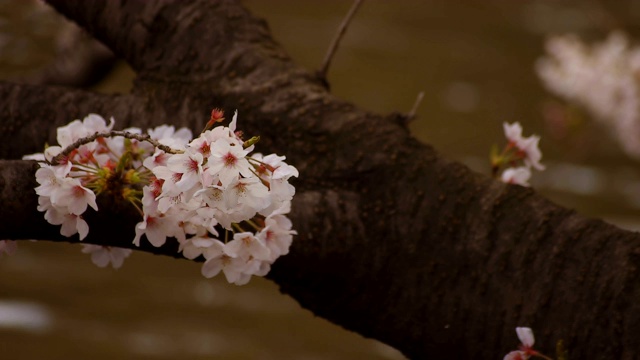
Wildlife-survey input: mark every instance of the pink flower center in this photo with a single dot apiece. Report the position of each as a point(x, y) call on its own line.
point(229, 159)
point(192, 165)
point(151, 221)
point(241, 188)
point(156, 188)
point(269, 235)
point(205, 149)
point(78, 191)
point(161, 159)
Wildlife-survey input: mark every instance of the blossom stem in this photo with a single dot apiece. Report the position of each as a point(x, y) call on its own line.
point(253, 225)
point(237, 227)
point(80, 167)
point(269, 167)
point(133, 202)
point(140, 137)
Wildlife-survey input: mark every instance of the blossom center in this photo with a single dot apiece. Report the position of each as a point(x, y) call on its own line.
point(78, 191)
point(229, 159)
point(192, 165)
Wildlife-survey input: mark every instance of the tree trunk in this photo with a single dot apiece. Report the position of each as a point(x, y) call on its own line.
point(395, 242)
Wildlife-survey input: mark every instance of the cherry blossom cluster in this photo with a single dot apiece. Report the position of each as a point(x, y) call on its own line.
point(211, 194)
point(603, 78)
point(518, 157)
point(526, 351)
point(220, 202)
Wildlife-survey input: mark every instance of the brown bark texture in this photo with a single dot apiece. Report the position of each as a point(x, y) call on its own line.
point(395, 242)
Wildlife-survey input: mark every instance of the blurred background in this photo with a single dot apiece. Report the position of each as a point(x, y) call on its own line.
point(476, 63)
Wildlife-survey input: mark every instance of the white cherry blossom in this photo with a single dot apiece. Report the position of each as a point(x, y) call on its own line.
point(74, 196)
point(232, 266)
point(202, 246)
point(282, 170)
point(519, 176)
point(167, 135)
point(526, 351)
point(159, 158)
point(77, 129)
point(525, 335)
point(246, 245)
point(249, 192)
point(157, 229)
point(189, 165)
point(533, 153)
point(228, 161)
point(51, 179)
point(528, 146)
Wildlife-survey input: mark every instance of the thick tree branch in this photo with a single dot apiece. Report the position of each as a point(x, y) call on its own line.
point(32, 113)
point(80, 61)
point(395, 242)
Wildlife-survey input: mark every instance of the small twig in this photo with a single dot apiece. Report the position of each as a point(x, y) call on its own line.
point(140, 137)
point(322, 73)
point(414, 109)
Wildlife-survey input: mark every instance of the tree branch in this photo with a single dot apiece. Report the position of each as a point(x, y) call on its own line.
point(31, 114)
point(80, 61)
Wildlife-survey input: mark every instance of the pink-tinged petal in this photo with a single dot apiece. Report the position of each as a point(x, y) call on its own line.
point(519, 176)
point(139, 231)
point(534, 155)
point(187, 181)
point(82, 227)
point(234, 122)
point(69, 226)
point(513, 132)
point(525, 335)
point(264, 269)
point(91, 200)
point(51, 152)
point(232, 273)
point(155, 234)
point(79, 199)
point(259, 250)
point(242, 279)
point(55, 217)
point(234, 248)
point(216, 250)
point(515, 355)
point(211, 267)
point(226, 177)
point(191, 252)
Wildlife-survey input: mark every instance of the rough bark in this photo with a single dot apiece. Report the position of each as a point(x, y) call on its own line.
point(395, 242)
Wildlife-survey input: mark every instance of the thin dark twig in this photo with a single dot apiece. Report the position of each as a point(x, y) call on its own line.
point(140, 137)
point(322, 73)
point(416, 104)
